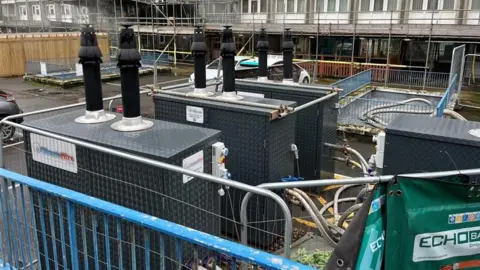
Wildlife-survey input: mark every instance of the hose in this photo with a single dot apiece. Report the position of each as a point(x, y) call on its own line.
point(350, 161)
point(394, 105)
point(335, 200)
point(315, 209)
point(315, 218)
point(368, 115)
point(454, 115)
point(361, 159)
point(347, 213)
point(329, 204)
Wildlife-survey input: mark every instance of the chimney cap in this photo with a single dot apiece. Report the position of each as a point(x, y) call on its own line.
point(89, 50)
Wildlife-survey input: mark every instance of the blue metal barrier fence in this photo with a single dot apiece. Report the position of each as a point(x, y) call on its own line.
point(36, 216)
point(353, 82)
point(447, 96)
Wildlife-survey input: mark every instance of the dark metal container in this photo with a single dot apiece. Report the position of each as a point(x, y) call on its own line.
point(430, 144)
point(151, 190)
point(315, 125)
point(259, 152)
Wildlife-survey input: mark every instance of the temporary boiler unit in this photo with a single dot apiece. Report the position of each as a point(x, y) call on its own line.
point(139, 186)
point(316, 125)
point(258, 131)
point(430, 144)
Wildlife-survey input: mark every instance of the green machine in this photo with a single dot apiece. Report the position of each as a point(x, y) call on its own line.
point(412, 223)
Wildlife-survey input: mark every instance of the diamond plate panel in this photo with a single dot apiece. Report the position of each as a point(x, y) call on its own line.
point(315, 160)
point(247, 134)
point(430, 144)
point(136, 185)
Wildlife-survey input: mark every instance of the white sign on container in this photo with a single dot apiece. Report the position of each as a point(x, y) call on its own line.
point(250, 94)
point(79, 69)
point(195, 114)
point(194, 163)
point(43, 68)
point(58, 154)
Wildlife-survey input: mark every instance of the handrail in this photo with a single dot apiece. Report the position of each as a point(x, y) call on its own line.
point(163, 165)
point(199, 238)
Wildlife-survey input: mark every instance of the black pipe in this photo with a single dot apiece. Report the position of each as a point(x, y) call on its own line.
point(129, 62)
point(199, 51)
point(90, 59)
point(227, 51)
point(287, 48)
point(262, 47)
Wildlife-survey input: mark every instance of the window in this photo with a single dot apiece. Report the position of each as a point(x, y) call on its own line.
point(245, 6)
point(280, 6)
point(392, 5)
point(36, 10)
point(448, 4)
point(301, 6)
point(290, 5)
point(51, 10)
point(331, 5)
point(263, 5)
point(343, 5)
point(253, 6)
point(377, 5)
point(475, 4)
point(66, 10)
point(23, 10)
point(319, 6)
point(432, 5)
point(417, 4)
point(365, 5)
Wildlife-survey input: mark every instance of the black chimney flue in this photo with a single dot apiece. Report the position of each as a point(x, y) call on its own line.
point(287, 48)
point(90, 57)
point(129, 63)
point(227, 51)
point(262, 47)
point(199, 51)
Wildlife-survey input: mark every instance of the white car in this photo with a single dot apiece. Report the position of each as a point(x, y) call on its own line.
point(246, 67)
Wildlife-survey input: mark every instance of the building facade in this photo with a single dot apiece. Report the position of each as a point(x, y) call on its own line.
point(35, 16)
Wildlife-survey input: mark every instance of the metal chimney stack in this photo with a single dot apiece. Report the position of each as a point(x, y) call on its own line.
point(91, 58)
point(129, 62)
point(262, 47)
point(287, 48)
point(199, 51)
point(227, 51)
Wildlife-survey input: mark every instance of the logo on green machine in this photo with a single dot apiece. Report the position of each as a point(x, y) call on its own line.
point(463, 217)
point(446, 244)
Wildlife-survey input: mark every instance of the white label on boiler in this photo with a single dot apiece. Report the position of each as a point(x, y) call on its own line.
point(53, 152)
point(194, 163)
point(195, 114)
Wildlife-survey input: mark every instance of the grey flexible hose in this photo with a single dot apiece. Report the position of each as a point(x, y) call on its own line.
point(335, 200)
point(362, 115)
point(347, 213)
point(314, 217)
point(315, 209)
